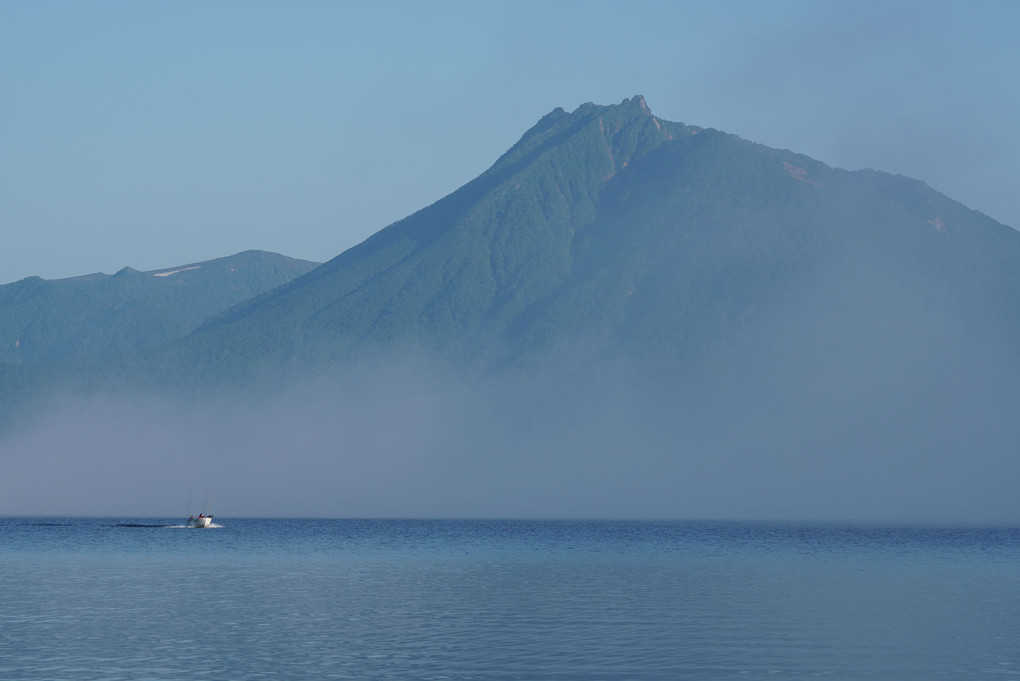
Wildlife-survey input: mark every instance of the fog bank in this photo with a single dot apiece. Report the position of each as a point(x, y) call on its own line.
point(400, 437)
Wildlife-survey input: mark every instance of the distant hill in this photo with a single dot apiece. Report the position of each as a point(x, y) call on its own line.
point(56, 320)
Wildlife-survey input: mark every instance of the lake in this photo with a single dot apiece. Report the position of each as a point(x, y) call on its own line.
point(94, 598)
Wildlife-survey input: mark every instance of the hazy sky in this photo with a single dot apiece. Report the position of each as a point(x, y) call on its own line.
point(157, 134)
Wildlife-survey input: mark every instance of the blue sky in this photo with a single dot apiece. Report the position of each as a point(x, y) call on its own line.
point(156, 134)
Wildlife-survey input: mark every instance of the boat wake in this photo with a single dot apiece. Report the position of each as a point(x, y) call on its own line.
point(174, 526)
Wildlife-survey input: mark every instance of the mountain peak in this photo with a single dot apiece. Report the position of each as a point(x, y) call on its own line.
point(639, 101)
point(635, 104)
point(621, 132)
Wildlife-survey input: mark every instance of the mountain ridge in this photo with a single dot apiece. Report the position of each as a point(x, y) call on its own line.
point(608, 234)
point(95, 314)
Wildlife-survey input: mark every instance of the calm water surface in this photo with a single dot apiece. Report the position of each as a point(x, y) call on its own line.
point(344, 599)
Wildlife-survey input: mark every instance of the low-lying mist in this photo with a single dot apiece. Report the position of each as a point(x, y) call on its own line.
point(882, 408)
point(406, 438)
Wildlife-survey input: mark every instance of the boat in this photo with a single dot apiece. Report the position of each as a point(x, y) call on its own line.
point(201, 520)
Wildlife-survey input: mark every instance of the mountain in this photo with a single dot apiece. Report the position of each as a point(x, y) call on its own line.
point(52, 321)
point(608, 237)
point(623, 316)
point(608, 233)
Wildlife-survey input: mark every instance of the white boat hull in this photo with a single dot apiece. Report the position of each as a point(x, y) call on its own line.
point(202, 521)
